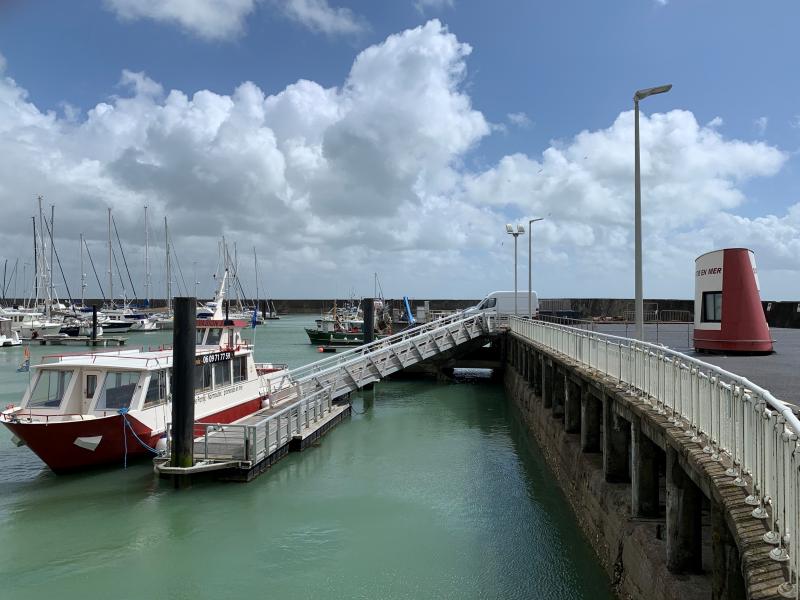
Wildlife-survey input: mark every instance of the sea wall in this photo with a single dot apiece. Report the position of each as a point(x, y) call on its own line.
point(665, 519)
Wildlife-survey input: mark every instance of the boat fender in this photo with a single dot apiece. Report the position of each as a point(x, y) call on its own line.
point(161, 445)
point(266, 402)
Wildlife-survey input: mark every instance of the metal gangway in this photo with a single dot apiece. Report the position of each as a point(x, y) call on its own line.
point(737, 422)
point(305, 400)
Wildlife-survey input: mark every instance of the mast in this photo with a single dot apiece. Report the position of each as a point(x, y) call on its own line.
point(110, 262)
point(52, 293)
point(83, 276)
point(146, 259)
point(35, 264)
point(194, 270)
point(169, 273)
point(255, 264)
point(42, 267)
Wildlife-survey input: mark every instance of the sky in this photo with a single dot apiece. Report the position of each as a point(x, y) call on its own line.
point(336, 139)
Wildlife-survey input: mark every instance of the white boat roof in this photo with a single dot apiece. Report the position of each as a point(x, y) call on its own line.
point(137, 360)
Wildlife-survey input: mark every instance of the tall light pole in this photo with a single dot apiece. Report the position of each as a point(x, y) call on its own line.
point(530, 277)
point(516, 233)
point(639, 301)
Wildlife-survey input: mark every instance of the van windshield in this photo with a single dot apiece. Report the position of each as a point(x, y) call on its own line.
point(488, 303)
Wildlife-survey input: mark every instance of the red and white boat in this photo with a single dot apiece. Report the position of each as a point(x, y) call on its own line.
point(105, 408)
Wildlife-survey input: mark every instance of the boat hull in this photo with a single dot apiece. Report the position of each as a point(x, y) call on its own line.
point(71, 446)
point(335, 338)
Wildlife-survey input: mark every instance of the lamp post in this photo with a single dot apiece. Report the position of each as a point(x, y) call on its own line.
point(530, 277)
point(639, 300)
point(516, 233)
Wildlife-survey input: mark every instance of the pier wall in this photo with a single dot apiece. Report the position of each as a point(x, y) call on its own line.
point(662, 516)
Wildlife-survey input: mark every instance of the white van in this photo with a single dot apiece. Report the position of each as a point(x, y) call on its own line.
point(503, 303)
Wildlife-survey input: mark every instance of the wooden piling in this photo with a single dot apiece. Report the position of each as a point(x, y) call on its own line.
point(183, 357)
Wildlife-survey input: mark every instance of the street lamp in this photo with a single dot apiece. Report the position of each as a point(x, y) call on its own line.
point(639, 300)
point(516, 233)
point(530, 278)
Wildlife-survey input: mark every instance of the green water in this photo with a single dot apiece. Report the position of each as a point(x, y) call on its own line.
point(428, 491)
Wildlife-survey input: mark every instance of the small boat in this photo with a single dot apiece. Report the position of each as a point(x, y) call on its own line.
point(93, 409)
point(8, 337)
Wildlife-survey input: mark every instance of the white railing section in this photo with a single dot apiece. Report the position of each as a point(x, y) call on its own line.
point(252, 442)
point(737, 421)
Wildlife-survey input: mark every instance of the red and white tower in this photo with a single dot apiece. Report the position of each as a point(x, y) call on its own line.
point(728, 316)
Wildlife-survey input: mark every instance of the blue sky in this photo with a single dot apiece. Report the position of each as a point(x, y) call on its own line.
point(561, 67)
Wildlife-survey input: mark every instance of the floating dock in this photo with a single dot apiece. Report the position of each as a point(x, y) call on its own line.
point(316, 400)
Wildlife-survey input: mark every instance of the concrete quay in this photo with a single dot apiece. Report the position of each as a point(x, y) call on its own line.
point(664, 518)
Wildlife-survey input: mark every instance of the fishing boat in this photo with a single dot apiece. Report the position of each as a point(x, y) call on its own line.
point(8, 337)
point(344, 325)
point(93, 409)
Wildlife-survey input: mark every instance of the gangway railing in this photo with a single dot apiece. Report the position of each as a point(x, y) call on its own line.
point(307, 395)
point(736, 420)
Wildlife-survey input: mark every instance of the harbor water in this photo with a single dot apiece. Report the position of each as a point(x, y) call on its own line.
point(428, 491)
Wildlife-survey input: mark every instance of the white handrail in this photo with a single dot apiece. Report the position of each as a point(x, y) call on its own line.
point(729, 414)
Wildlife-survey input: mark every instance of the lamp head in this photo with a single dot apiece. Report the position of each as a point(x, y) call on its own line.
point(642, 94)
point(509, 228)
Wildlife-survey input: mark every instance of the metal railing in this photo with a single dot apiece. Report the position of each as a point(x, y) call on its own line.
point(252, 442)
point(736, 421)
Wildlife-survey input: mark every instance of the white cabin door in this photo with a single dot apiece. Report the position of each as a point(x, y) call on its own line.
point(91, 387)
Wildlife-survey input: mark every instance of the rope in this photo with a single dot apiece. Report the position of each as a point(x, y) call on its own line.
point(125, 423)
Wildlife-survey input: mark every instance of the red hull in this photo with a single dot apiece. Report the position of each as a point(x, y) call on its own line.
point(54, 443)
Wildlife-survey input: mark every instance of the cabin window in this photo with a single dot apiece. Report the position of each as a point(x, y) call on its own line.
point(214, 334)
point(239, 369)
point(712, 307)
point(49, 388)
point(222, 373)
point(118, 389)
point(157, 390)
point(202, 377)
point(199, 336)
point(91, 385)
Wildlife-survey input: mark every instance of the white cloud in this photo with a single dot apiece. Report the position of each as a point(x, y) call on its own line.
point(224, 19)
point(761, 125)
point(715, 122)
point(332, 183)
point(210, 19)
point(319, 16)
point(795, 122)
point(2, 64)
point(520, 119)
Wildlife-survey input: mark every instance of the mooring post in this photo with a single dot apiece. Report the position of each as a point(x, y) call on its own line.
point(369, 319)
point(94, 322)
point(591, 414)
point(616, 438)
point(644, 474)
point(183, 357)
point(369, 326)
point(684, 504)
point(572, 406)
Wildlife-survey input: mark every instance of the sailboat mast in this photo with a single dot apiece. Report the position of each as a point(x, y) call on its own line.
point(83, 276)
point(110, 262)
point(146, 259)
point(255, 265)
point(35, 264)
point(52, 293)
point(169, 273)
point(42, 267)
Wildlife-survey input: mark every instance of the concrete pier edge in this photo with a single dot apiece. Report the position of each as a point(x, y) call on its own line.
point(595, 476)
